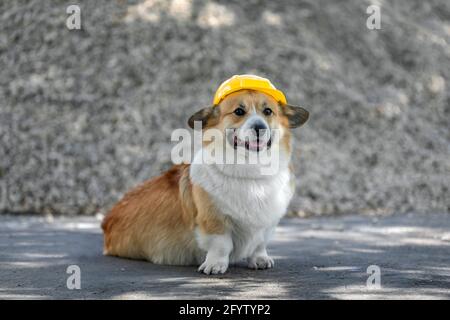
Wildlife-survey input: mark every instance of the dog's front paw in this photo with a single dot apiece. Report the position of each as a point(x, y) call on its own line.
point(214, 266)
point(260, 262)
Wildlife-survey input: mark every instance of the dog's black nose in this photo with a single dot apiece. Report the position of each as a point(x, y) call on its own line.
point(259, 128)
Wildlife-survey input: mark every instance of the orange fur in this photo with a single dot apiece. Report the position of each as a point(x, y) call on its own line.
point(150, 223)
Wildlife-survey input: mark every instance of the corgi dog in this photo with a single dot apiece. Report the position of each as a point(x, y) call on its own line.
point(214, 214)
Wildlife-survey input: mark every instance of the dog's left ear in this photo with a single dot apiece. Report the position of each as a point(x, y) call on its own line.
point(297, 116)
point(204, 115)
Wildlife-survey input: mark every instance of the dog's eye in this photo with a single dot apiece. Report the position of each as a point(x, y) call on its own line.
point(239, 111)
point(267, 111)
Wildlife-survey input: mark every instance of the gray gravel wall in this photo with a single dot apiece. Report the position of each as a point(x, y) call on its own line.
point(86, 114)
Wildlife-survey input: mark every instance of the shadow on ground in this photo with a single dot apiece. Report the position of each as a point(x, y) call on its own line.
point(315, 259)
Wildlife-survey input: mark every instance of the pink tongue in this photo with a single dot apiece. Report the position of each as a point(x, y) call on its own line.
point(255, 144)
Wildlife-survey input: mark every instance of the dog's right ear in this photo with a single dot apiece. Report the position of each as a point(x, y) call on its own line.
point(297, 116)
point(204, 115)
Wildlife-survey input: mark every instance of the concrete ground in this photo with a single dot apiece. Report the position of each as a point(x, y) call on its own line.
point(316, 258)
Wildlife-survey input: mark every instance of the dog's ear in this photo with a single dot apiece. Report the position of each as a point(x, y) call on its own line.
point(297, 116)
point(204, 115)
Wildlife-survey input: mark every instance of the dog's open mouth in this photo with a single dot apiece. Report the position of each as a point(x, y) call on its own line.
point(251, 145)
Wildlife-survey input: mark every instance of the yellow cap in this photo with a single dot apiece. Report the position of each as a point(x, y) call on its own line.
point(248, 81)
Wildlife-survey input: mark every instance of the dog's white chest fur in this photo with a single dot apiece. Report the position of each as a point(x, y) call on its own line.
point(254, 204)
